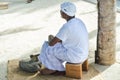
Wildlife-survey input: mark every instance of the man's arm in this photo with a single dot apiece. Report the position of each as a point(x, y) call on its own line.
point(54, 41)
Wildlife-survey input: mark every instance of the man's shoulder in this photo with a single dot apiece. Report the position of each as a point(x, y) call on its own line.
point(74, 21)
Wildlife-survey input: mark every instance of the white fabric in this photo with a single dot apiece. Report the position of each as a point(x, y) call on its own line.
point(73, 49)
point(68, 8)
point(53, 56)
point(74, 38)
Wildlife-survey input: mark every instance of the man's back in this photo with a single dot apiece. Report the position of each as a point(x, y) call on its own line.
point(75, 39)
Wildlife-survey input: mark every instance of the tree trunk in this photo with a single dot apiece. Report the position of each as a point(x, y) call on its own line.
point(106, 37)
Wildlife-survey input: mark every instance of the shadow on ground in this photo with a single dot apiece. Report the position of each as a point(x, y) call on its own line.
point(14, 73)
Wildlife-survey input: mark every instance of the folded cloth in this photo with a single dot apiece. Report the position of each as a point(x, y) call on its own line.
point(34, 57)
point(29, 1)
point(29, 66)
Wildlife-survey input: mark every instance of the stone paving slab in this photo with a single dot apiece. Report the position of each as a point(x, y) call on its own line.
point(117, 3)
point(109, 72)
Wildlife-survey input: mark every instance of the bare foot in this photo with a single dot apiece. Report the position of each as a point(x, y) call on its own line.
point(46, 71)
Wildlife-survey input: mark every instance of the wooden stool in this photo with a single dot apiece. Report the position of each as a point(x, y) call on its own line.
point(75, 70)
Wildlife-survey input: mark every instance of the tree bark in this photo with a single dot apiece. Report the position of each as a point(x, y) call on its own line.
point(106, 37)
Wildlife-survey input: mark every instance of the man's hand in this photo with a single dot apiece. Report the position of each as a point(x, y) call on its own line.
point(54, 41)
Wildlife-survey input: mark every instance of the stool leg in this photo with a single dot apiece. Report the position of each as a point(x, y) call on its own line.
point(81, 72)
point(85, 65)
point(74, 70)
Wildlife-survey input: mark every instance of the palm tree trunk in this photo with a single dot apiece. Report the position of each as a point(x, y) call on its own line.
point(106, 37)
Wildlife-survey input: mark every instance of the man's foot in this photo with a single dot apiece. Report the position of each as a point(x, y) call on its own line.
point(59, 73)
point(29, 66)
point(46, 71)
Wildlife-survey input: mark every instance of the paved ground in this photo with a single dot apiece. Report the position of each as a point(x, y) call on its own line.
point(117, 3)
point(24, 27)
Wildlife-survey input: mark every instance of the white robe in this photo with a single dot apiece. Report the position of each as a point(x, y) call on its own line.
point(73, 49)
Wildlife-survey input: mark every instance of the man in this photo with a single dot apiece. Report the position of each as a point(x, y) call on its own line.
point(69, 45)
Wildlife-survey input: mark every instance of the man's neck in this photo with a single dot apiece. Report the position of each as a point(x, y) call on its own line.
point(69, 18)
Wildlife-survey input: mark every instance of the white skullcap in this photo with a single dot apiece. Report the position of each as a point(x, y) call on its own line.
point(68, 8)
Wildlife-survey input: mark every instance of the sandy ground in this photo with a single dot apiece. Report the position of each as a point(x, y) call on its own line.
point(24, 27)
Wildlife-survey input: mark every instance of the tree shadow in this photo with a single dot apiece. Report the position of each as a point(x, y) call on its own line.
point(118, 47)
point(93, 34)
point(118, 24)
point(99, 67)
point(18, 30)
